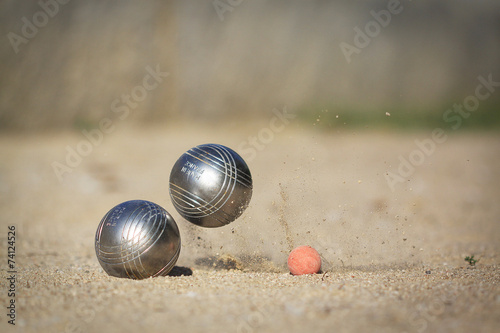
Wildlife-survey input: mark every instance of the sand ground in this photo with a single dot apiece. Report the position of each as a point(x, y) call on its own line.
point(393, 260)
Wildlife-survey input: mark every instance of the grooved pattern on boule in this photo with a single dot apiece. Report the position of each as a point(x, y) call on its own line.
point(210, 185)
point(137, 239)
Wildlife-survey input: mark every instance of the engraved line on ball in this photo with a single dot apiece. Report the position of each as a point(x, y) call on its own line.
point(129, 220)
point(244, 179)
point(140, 238)
point(227, 188)
point(135, 267)
point(170, 264)
point(229, 170)
point(124, 254)
point(193, 208)
point(200, 203)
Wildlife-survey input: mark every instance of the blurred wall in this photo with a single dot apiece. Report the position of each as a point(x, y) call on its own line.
point(234, 58)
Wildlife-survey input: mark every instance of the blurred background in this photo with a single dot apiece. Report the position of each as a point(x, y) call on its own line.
point(240, 59)
point(170, 75)
point(98, 99)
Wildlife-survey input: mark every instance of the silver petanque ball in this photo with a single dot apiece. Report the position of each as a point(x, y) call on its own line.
point(210, 185)
point(137, 239)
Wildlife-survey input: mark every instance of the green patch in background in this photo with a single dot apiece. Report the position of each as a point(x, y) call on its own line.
point(84, 123)
point(486, 117)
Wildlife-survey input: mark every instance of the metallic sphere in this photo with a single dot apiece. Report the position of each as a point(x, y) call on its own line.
point(210, 185)
point(137, 239)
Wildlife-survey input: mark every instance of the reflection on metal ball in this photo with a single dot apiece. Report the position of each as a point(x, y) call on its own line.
point(137, 239)
point(210, 185)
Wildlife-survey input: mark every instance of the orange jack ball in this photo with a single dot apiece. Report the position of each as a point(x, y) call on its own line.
point(304, 260)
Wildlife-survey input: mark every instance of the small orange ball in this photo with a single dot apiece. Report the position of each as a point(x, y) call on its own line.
point(304, 260)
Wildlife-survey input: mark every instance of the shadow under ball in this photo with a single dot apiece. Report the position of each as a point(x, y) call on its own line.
point(137, 239)
point(210, 185)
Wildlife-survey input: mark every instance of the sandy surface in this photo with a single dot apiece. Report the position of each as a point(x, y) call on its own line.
point(393, 261)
